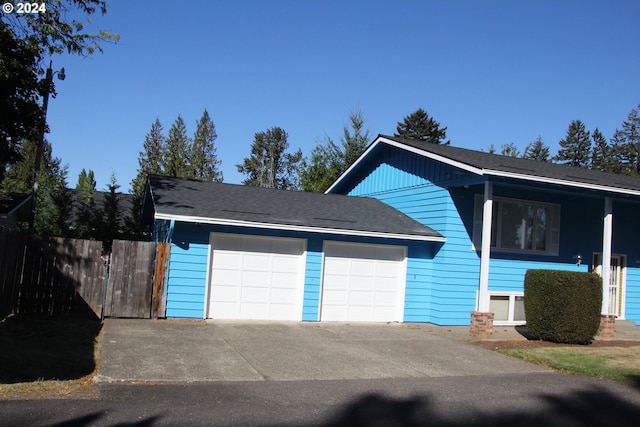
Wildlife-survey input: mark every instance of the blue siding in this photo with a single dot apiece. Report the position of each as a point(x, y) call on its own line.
point(186, 279)
point(446, 294)
point(632, 309)
point(187, 275)
point(312, 281)
point(508, 275)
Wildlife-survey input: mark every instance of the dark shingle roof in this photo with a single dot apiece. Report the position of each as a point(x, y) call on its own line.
point(216, 203)
point(498, 165)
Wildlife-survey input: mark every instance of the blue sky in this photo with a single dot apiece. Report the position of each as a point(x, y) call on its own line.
point(492, 72)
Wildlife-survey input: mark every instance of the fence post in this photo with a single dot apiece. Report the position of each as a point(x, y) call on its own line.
point(157, 298)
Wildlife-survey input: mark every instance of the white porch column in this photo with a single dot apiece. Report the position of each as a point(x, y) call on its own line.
point(606, 253)
point(485, 253)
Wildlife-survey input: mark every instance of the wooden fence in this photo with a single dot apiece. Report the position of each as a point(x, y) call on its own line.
point(62, 276)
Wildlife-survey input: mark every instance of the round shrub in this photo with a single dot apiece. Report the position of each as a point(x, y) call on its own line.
point(562, 306)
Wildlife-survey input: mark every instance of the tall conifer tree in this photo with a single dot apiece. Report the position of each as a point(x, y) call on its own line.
point(537, 150)
point(204, 162)
point(269, 165)
point(418, 125)
point(576, 146)
point(175, 158)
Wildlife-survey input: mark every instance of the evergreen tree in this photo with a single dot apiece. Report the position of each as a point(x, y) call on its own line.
point(623, 156)
point(354, 140)
point(149, 162)
point(111, 215)
point(150, 159)
point(205, 165)
point(55, 206)
point(323, 168)
point(269, 165)
point(175, 158)
point(87, 221)
point(510, 150)
point(628, 145)
point(86, 182)
point(418, 125)
point(537, 150)
point(54, 199)
point(576, 146)
point(328, 161)
point(601, 153)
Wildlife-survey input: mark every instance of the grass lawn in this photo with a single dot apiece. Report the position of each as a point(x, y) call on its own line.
point(618, 363)
point(47, 356)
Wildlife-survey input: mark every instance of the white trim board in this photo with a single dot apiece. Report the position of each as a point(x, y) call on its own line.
point(288, 227)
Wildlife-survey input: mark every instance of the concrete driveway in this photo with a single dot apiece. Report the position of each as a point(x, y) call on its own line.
point(190, 351)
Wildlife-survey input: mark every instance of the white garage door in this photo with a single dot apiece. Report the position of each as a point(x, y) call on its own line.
point(256, 278)
point(363, 282)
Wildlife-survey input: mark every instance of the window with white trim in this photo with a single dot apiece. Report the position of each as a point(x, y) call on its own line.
point(508, 307)
point(520, 226)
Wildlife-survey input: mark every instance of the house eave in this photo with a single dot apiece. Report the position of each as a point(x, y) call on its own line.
point(290, 227)
point(482, 171)
point(557, 181)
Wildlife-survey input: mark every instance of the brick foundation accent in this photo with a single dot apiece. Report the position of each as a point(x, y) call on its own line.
point(607, 326)
point(481, 325)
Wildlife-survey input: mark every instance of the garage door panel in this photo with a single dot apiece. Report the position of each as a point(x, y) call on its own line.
point(384, 299)
point(363, 267)
point(334, 297)
point(386, 284)
point(360, 298)
point(226, 310)
point(225, 294)
point(254, 311)
point(227, 277)
point(337, 265)
point(284, 280)
point(256, 262)
point(284, 263)
point(282, 296)
point(254, 294)
point(387, 268)
point(229, 243)
point(363, 282)
point(230, 260)
point(256, 278)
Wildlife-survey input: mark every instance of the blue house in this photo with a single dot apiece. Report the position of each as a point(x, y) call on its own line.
point(240, 252)
point(502, 216)
point(411, 232)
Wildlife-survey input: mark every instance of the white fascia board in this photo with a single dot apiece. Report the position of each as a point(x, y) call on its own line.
point(434, 156)
point(558, 181)
point(287, 227)
point(354, 165)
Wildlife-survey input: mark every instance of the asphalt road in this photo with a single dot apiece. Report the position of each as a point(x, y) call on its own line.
point(531, 399)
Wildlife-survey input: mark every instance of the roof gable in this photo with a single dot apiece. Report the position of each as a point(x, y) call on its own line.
point(495, 165)
point(240, 205)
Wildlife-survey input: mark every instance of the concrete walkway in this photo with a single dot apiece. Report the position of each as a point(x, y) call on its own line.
point(190, 351)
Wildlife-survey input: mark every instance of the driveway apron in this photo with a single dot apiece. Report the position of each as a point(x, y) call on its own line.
point(190, 351)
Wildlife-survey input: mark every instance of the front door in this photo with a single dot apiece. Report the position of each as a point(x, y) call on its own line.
point(616, 282)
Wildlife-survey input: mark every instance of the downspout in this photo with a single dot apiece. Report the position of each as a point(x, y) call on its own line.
point(485, 252)
point(607, 234)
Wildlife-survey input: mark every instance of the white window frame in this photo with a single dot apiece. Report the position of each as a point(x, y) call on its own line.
point(552, 230)
point(512, 307)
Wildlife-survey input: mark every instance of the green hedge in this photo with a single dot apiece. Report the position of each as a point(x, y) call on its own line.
point(562, 306)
